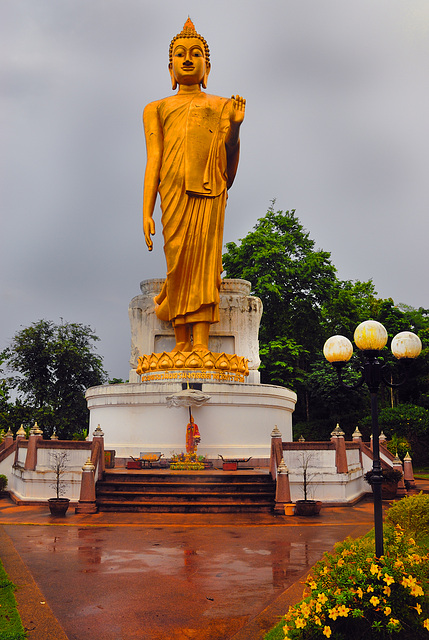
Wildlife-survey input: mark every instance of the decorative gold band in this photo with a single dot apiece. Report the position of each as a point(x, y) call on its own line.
point(192, 360)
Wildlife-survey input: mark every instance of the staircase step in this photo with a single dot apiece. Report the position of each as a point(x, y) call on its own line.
point(175, 507)
point(184, 497)
point(206, 487)
point(185, 492)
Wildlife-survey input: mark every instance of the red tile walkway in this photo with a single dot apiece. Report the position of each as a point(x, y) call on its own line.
point(124, 576)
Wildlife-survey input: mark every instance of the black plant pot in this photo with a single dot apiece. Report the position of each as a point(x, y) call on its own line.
point(307, 507)
point(58, 506)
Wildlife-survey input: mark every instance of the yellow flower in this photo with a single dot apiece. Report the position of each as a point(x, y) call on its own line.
point(312, 585)
point(408, 582)
point(374, 601)
point(388, 579)
point(374, 569)
point(318, 607)
point(305, 610)
point(417, 591)
point(327, 631)
point(317, 620)
point(387, 611)
point(370, 589)
point(411, 541)
point(394, 622)
point(426, 624)
point(325, 571)
point(322, 598)
point(343, 611)
point(359, 592)
point(333, 613)
point(387, 591)
point(300, 623)
point(398, 564)
point(340, 563)
point(418, 609)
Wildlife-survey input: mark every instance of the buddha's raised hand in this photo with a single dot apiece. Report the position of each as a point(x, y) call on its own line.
point(238, 107)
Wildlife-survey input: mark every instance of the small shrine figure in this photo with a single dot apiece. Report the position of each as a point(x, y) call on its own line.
point(192, 438)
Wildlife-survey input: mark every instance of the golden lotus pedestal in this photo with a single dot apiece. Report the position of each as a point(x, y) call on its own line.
point(209, 361)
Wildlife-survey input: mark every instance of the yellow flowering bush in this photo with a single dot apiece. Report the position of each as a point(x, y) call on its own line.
point(353, 595)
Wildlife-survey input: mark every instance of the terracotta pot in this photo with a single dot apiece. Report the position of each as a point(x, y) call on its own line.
point(58, 506)
point(289, 509)
point(389, 490)
point(307, 507)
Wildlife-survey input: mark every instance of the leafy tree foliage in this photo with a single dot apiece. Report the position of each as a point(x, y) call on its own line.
point(302, 297)
point(53, 365)
point(305, 303)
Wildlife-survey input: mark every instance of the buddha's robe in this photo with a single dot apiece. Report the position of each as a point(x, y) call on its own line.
point(193, 190)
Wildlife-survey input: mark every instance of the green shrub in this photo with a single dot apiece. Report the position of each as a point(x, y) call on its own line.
point(399, 445)
point(3, 482)
point(354, 595)
point(412, 515)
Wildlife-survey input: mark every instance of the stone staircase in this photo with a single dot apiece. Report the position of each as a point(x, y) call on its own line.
point(185, 492)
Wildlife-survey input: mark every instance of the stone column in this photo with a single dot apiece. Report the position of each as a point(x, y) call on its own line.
point(98, 436)
point(276, 451)
point(36, 434)
point(20, 435)
point(397, 466)
point(8, 440)
point(337, 437)
point(87, 502)
point(282, 488)
point(357, 437)
point(408, 471)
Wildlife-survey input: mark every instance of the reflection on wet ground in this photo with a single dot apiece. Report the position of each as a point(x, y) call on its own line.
point(114, 583)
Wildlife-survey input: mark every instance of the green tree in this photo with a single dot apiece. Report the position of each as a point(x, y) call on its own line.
point(304, 302)
point(293, 280)
point(53, 365)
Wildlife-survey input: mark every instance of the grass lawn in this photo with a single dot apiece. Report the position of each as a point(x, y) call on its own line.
point(276, 633)
point(10, 623)
point(422, 473)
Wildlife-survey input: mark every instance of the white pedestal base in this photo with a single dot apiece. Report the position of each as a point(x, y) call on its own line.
point(236, 421)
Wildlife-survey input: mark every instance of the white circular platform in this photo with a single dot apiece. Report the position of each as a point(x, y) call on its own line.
point(236, 421)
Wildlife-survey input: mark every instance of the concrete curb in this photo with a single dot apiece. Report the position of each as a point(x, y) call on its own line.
point(36, 615)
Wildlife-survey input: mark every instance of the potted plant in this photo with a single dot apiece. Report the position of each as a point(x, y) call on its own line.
point(58, 506)
point(389, 483)
point(307, 507)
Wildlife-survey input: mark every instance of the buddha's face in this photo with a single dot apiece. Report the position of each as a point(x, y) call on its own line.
point(189, 63)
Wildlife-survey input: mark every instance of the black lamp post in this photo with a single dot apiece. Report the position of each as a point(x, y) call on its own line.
point(370, 337)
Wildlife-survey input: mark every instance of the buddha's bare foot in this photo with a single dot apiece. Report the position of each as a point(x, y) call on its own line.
point(182, 346)
point(200, 348)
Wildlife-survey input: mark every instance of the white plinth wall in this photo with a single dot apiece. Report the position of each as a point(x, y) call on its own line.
point(240, 413)
point(236, 421)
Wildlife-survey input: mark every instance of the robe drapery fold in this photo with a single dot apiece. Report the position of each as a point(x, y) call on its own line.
point(193, 190)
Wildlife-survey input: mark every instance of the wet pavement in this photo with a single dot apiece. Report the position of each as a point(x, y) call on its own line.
point(121, 576)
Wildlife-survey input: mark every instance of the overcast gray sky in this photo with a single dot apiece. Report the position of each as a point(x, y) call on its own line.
point(336, 127)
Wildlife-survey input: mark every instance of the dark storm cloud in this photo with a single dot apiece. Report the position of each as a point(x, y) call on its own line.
point(336, 127)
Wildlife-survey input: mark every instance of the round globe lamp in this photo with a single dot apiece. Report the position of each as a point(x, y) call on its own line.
point(406, 345)
point(338, 349)
point(370, 336)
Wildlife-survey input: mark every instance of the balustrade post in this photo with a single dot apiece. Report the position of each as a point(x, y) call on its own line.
point(87, 502)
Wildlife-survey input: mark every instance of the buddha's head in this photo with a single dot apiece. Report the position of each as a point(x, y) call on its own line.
point(189, 57)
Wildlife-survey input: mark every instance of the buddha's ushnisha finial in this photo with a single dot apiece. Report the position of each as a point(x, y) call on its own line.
point(189, 31)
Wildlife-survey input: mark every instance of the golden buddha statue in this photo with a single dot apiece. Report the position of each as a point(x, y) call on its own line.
point(192, 141)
